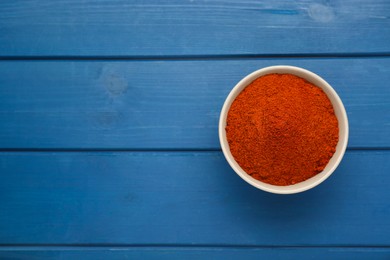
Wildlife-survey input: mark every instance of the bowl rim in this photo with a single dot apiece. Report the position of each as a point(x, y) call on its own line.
point(240, 86)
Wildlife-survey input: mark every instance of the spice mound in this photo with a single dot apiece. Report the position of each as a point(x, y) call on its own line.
point(282, 129)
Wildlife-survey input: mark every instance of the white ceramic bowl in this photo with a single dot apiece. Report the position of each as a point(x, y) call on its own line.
point(339, 111)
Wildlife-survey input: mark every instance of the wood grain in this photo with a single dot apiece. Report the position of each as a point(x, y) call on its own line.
point(108, 129)
point(176, 27)
point(184, 198)
point(163, 104)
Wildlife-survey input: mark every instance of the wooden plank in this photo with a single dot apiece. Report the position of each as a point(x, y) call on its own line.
point(163, 104)
point(184, 198)
point(223, 27)
point(195, 253)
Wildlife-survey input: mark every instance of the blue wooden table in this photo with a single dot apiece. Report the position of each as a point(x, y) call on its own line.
point(108, 129)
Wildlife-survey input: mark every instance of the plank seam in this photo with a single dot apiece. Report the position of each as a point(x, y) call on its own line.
point(194, 57)
point(140, 246)
point(18, 150)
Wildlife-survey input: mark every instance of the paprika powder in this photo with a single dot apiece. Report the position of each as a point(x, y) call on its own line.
point(282, 129)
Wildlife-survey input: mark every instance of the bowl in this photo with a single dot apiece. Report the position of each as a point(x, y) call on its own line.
point(339, 112)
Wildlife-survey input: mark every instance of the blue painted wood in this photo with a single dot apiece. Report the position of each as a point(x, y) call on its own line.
point(185, 198)
point(167, 202)
point(175, 27)
point(194, 253)
point(163, 104)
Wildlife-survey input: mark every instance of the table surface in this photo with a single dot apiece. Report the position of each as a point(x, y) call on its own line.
point(108, 129)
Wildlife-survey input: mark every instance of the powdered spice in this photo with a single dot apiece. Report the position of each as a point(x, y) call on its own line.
point(282, 129)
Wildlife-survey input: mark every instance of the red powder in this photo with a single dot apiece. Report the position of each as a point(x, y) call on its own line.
point(281, 129)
